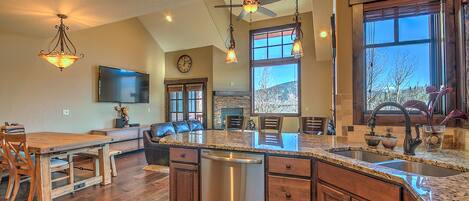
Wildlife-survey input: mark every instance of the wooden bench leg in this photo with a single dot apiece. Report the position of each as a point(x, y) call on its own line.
point(96, 166)
point(113, 166)
point(71, 173)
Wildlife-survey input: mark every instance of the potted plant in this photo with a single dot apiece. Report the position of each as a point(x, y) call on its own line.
point(433, 134)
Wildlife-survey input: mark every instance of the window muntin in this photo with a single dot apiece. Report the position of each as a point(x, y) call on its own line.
point(401, 58)
point(272, 44)
point(275, 79)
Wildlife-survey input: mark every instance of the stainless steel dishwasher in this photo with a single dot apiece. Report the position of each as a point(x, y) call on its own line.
point(232, 176)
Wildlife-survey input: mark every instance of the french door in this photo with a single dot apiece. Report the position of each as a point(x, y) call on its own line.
point(186, 100)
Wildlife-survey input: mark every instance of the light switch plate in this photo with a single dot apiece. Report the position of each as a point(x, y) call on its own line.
point(66, 112)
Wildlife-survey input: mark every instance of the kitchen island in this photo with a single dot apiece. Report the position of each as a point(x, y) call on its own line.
point(331, 176)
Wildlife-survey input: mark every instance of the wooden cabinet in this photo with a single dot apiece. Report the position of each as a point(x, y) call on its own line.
point(124, 139)
point(289, 166)
point(184, 174)
point(184, 182)
point(327, 193)
point(290, 189)
point(288, 179)
point(358, 184)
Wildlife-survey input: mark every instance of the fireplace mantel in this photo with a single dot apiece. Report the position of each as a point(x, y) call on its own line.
point(231, 93)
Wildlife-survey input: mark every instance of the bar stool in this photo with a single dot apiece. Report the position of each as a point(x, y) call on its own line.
point(312, 125)
point(234, 122)
point(270, 123)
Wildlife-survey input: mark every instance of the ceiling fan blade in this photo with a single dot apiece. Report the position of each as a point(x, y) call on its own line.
point(265, 2)
point(241, 15)
point(227, 6)
point(267, 12)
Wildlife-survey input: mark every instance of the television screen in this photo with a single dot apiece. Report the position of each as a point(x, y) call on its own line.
point(122, 86)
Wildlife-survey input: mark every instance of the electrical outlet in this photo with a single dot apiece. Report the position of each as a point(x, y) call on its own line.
point(149, 109)
point(66, 112)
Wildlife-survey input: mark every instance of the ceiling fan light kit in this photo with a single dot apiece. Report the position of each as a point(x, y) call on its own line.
point(61, 52)
point(250, 6)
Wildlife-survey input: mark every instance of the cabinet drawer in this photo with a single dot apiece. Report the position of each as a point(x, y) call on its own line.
point(288, 189)
point(291, 166)
point(358, 184)
point(183, 155)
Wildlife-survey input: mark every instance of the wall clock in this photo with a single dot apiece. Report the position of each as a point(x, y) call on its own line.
point(184, 64)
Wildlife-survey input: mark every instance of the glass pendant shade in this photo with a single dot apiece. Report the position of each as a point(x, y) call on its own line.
point(63, 54)
point(250, 8)
point(60, 60)
point(231, 56)
point(297, 50)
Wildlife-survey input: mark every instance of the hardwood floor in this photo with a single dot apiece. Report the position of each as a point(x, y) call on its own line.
point(132, 183)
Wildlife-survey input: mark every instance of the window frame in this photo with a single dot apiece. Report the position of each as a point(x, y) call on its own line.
point(360, 115)
point(272, 62)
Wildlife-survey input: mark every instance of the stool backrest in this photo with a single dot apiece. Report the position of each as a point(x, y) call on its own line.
point(312, 125)
point(234, 122)
point(270, 123)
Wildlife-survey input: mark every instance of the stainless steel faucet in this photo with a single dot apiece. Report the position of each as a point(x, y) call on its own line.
point(410, 144)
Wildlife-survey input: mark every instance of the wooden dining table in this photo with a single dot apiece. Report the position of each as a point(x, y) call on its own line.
point(47, 145)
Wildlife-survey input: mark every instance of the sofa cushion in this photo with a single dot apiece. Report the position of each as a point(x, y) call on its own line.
point(162, 129)
point(181, 126)
point(195, 125)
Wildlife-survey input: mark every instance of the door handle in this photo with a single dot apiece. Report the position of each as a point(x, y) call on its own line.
point(231, 159)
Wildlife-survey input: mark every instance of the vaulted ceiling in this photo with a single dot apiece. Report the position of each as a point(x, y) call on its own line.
point(196, 23)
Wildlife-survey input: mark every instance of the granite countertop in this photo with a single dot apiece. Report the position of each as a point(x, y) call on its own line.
point(424, 187)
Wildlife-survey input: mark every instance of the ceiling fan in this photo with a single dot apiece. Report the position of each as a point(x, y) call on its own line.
point(252, 6)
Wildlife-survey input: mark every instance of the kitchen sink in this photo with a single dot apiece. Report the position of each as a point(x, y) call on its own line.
point(364, 156)
point(419, 168)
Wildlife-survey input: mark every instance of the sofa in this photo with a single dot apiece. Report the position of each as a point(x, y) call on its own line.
point(158, 154)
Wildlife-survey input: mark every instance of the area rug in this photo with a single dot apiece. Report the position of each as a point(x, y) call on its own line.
point(157, 168)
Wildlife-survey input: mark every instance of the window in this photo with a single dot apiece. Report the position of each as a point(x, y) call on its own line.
point(186, 100)
point(275, 76)
point(399, 50)
point(401, 58)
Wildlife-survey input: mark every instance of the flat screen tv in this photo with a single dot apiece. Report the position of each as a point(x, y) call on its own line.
point(122, 86)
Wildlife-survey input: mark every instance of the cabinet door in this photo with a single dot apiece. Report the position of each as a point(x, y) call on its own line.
point(326, 193)
point(184, 182)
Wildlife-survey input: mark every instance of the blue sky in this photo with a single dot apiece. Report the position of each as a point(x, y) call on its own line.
point(410, 28)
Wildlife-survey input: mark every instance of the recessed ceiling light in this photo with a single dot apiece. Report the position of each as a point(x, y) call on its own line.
point(323, 34)
point(169, 18)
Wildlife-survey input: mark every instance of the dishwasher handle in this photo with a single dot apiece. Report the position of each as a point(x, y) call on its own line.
point(233, 160)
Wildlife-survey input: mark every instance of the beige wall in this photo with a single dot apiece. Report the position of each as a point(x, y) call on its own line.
point(202, 67)
point(315, 75)
point(35, 93)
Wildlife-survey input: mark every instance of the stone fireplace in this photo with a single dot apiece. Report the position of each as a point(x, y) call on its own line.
point(229, 103)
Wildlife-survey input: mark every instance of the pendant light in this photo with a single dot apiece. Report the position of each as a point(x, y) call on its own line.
point(63, 53)
point(231, 54)
point(297, 35)
point(251, 6)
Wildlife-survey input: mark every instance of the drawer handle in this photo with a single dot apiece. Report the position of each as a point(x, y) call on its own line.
point(183, 155)
point(288, 166)
point(287, 195)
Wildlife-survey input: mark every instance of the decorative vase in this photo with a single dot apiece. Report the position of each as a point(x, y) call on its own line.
point(433, 137)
